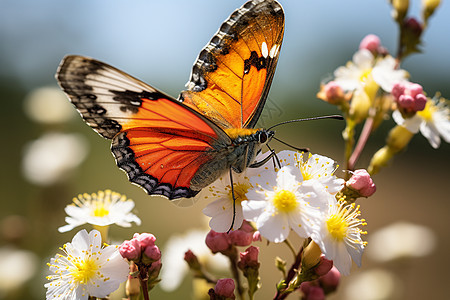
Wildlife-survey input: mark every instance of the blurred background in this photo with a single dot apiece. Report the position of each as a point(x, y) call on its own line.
point(49, 155)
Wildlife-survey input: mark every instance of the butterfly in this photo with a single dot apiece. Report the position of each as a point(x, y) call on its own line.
point(176, 147)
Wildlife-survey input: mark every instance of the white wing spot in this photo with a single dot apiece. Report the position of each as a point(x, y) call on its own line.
point(274, 51)
point(264, 50)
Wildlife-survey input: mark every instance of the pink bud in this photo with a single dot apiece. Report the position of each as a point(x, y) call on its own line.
point(145, 239)
point(415, 89)
point(249, 258)
point(413, 26)
point(397, 90)
point(240, 238)
point(370, 42)
point(315, 293)
point(217, 242)
point(406, 101)
point(305, 287)
point(257, 236)
point(333, 93)
point(130, 250)
point(225, 288)
point(361, 182)
point(330, 281)
point(154, 270)
point(409, 97)
point(152, 252)
point(420, 103)
point(189, 256)
point(324, 266)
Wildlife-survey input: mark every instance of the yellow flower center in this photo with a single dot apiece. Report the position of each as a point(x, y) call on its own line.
point(285, 201)
point(99, 209)
point(84, 270)
point(427, 112)
point(240, 189)
point(337, 226)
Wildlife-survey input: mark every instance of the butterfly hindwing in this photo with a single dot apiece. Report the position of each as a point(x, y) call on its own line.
point(231, 77)
point(158, 141)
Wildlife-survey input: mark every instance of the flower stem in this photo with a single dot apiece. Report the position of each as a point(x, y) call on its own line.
point(292, 272)
point(143, 280)
point(290, 247)
point(362, 140)
point(233, 256)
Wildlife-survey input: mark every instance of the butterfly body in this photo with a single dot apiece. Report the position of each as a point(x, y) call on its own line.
point(176, 147)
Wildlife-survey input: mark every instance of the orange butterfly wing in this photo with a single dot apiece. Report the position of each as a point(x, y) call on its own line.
point(157, 140)
point(232, 75)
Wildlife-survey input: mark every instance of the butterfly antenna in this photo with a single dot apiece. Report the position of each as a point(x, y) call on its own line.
point(293, 147)
point(234, 202)
point(336, 117)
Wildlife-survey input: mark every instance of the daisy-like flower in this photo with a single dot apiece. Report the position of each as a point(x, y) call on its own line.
point(433, 122)
point(315, 168)
point(339, 235)
point(175, 268)
point(221, 209)
point(86, 269)
point(364, 69)
point(101, 209)
point(280, 203)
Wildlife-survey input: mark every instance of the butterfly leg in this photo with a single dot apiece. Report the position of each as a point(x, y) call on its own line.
point(272, 155)
point(234, 201)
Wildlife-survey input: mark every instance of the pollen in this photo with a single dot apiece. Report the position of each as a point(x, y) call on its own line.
point(427, 112)
point(83, 271)
point(285, 201)
point(240, 191)
point(99, 210)
point(337, 227)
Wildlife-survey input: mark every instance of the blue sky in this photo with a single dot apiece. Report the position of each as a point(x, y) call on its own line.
point(158, 41)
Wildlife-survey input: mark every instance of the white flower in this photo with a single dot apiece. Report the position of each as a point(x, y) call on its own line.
point(48, 105)
point(86, 269)
point(13, 262)
point(221, 209)
point(280, 203)
point(433, 122)
point(339, 236)
point(174, 268)
point(52, 157)
point(316, 168)
point(101, 209)
point(364, 67)
point(401, 240)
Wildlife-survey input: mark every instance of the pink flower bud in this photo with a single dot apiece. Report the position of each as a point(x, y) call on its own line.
point(413, 27)
point(362, 183)
point(330, 281)
point(397, 90)
point(257, 236)
point(324, 266)
point(370, 42)
point(249, 258)
point(243, 236)
point(152, 252)
point(145, 239)
point(225, 288)
point(154, 270)
point(315, 293)
point(130, 250)
point(420, 103)
point(217, 242)
point(409, 97)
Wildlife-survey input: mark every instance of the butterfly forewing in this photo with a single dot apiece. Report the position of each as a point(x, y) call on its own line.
point(231, 77)
point(157, 140)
